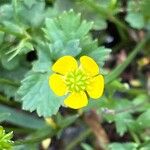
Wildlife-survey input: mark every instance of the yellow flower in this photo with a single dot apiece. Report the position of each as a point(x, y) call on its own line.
point(76, 81)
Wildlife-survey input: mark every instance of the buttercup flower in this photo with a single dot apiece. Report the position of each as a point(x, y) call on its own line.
point(78, 81)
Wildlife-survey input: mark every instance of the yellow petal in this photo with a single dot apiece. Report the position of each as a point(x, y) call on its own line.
point(76, 100)
point(65, 64)
point(57, 84)
point(89, 65)
point(96, 87)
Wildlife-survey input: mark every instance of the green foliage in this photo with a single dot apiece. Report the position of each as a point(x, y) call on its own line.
point(20, 119)
point(5, 139)
point(125, 146)
point(3, 116)
point(10, 79)
point(144, 119)
point(36, 95)
point(64, 36)
point(136, 20)
point(30, 13)
point(122, 119)
point(87, 13)
point(138, 16)
point(35, 33)
point(86, 146)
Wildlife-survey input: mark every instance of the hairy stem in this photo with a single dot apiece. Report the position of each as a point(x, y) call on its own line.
point(120, 68)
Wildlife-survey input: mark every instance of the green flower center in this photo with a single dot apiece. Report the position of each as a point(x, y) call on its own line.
point(76, 81)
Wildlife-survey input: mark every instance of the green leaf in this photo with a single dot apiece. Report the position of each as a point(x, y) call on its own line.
point(138, 15)
point(22, 48)
point(99, 23)
point(86, 146)
point(4, 116)
point(91, 15)
point(43, 62)
point(115, 86)
point(36, 138)
point(35, 94)
point(65, 34)
point(30, 4)
point(113, 111)
point(6, 12)
point(124, 146)
point(5, 139)
point(145, 8)
point(146, 146)
point(141, 99)
point(1, 37)
point(122, 120)
point(144, 119)
point(100, 54)
point(30, 13)
point(70, 48)
point(4, 58)
point(95, 104)
point(66, 5)
point(21, 119)
point(87, 13)
point(62, 39)
point(90, 48)
point(68, 35)
point(10, 65)
point(136, 20)
point(12, 27)
point(14, 76)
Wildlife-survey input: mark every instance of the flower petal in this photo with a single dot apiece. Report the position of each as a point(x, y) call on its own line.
point(96, 87)
point(76, 100)
point(57, 84)
point(89, 65)
point(65, 64)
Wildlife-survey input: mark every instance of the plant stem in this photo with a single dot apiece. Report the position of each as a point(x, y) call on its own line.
point(10, 82)
point(120, 68)
point(6, 101)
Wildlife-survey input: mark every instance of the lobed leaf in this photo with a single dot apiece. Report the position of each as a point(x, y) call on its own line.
point(64, 34)
point(35, 94)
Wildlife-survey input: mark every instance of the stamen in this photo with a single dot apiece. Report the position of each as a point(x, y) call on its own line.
point(76, 81)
